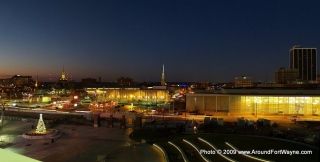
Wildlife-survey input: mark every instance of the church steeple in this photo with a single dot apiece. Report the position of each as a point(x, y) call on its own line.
point(36, 84)
point(163, 81)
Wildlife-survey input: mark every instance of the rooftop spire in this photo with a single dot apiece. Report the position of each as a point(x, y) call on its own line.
point(163, 81)
point(63, 75)
point(36, 84)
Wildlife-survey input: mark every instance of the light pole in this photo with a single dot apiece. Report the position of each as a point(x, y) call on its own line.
point(1, 119)
point(2, 114)
point(195, 103)
point(171, 101)
point(173, 107)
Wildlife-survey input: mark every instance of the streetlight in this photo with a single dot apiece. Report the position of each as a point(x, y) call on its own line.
point(173, 106)
point(195, 103)
point(2, 113)
point(171, 101)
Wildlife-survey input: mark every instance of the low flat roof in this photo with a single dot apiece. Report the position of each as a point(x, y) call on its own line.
point(298, 92)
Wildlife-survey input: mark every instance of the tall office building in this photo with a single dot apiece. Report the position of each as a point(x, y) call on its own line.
point(305, 61)
point(286, 76)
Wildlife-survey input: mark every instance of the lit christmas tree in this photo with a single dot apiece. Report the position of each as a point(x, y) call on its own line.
point(41, 128)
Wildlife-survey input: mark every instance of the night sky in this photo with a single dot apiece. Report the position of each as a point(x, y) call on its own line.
point(196, 40)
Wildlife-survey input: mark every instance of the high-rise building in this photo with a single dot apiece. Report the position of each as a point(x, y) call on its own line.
point(286, 76)
point(20, 81)
point(305, 61)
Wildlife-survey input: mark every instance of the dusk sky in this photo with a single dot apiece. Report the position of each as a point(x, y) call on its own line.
point(196, 40)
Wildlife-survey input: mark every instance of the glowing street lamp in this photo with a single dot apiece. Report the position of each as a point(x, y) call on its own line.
point(2, 114)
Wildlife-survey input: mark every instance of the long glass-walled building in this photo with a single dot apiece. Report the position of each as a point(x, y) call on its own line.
point(249, 102)
point(130, 95)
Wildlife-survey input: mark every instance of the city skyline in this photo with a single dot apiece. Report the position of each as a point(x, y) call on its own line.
point(52, 77)
point(159, 80)
point(197, 41)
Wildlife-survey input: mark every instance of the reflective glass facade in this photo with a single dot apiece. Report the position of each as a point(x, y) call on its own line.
point(253, 104)
point(129, 95)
